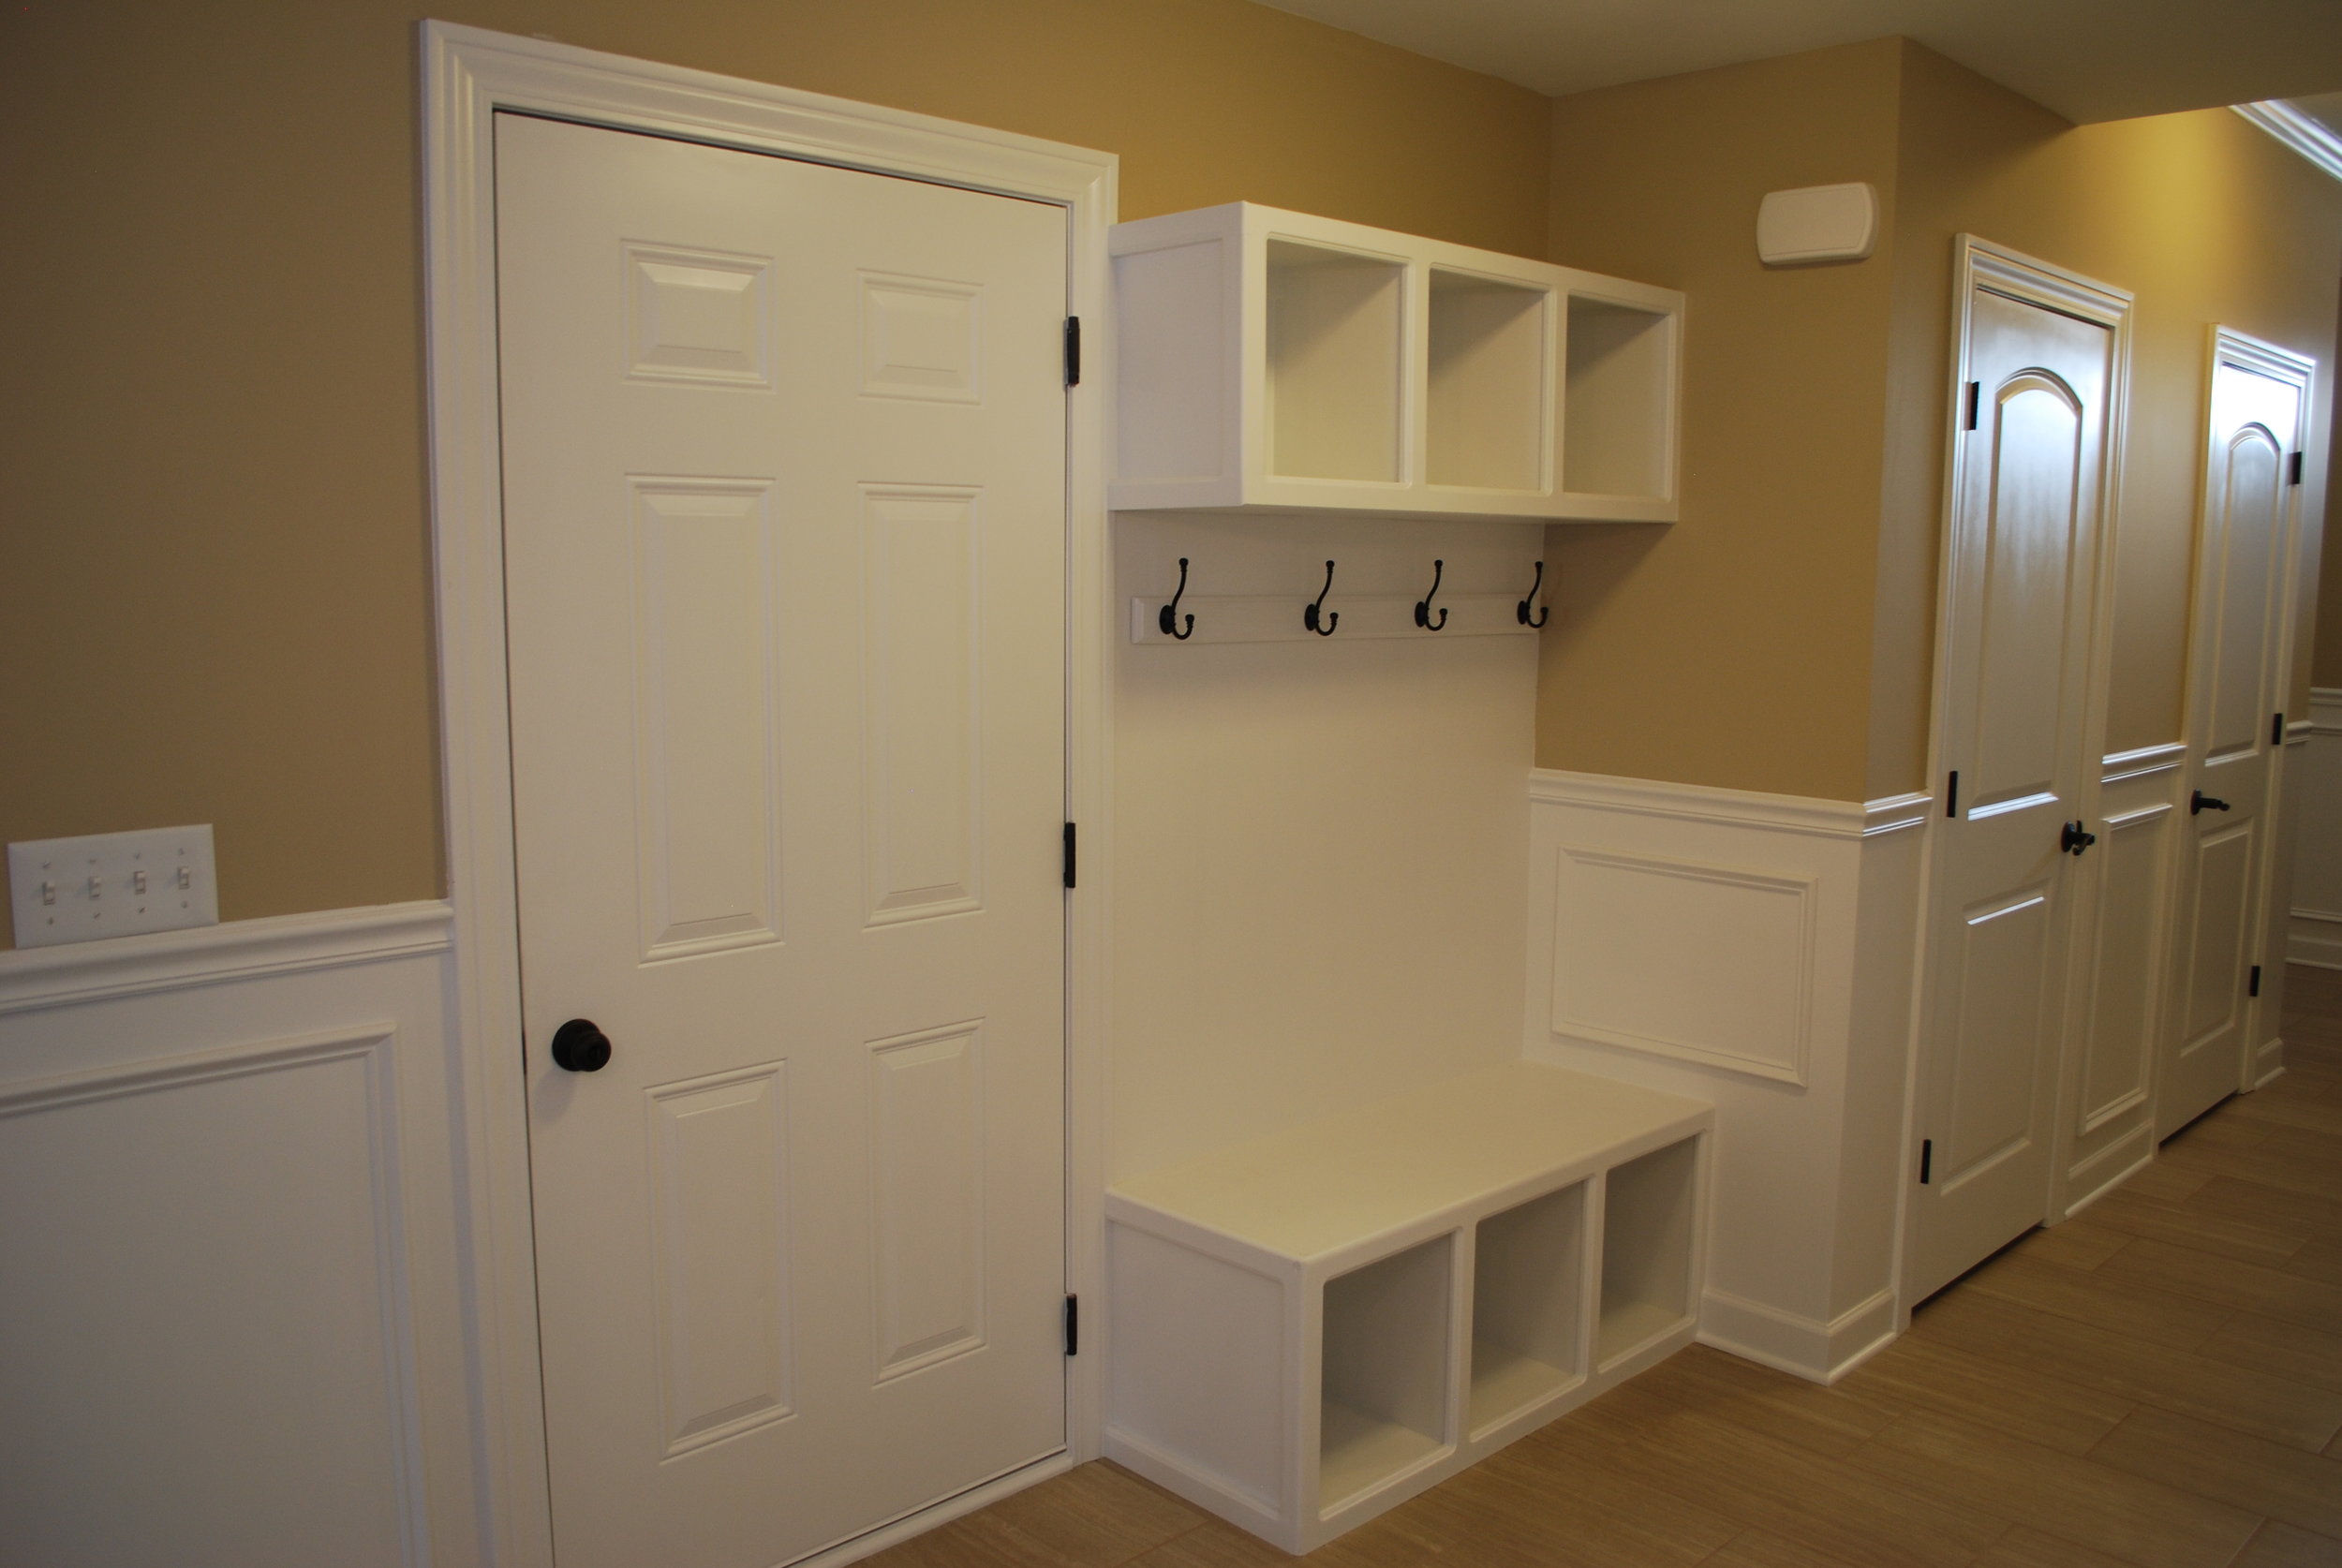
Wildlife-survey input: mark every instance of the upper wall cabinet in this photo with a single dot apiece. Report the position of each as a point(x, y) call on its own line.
point(1273, 362)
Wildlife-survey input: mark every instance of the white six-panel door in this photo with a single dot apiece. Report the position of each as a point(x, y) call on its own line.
point(785, 544)
point(2238, 641)
point(2014, 693)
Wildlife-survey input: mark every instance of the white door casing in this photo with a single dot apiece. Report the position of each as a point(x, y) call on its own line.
point(784, 546)
point(2018, 721)
point(467, 74)
point(2240, 642)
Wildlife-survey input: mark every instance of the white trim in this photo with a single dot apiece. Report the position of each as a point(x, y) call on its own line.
point(468, 75)
point(32, 978)
point(1894, 813)
point(1791, 1342)
point(1702, 803)
point(2118, 765)
point(2297, 130)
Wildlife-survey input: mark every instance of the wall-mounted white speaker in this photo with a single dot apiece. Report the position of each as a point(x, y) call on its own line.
point(1817, 222)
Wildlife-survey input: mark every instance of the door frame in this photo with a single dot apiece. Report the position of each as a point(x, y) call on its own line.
point(469, 74)
point(2261, 1053)
point(1977, 263)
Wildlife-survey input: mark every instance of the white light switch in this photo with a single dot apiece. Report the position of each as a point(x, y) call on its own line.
point(111, 884)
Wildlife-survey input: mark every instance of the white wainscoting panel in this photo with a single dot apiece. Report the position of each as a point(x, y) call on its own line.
point(1754, 951)
point(234, 1321)
point(2313, 789)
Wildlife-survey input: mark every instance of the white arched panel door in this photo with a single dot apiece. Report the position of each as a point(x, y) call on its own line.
point(2240, 634)
point(2015, 712)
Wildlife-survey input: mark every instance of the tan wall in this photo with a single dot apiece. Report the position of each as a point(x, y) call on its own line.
point(217, 553)
point(1731, 648)
point(2326, 629)
point(1780, 636)
point(2208, 219)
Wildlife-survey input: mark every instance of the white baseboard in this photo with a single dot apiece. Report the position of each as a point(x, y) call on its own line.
point(1803, 1347)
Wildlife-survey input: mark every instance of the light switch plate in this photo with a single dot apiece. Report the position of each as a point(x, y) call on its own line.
point(111, 884)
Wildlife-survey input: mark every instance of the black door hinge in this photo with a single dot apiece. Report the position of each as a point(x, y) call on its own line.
point(1072, 1326)
point(1952, 794)
point(2252, 981)
point(1927, 1159)
point(1072, 350)
point(1069, 854)
point(2295, 465)
point(1975, 400)
point(2276, 729)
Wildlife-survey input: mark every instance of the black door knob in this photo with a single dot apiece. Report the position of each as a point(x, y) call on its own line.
point(580, 1046)
point(2199, 800)
point(2075, 839)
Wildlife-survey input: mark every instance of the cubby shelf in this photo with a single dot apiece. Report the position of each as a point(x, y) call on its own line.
point(1308, 1328)
point(1270, 360)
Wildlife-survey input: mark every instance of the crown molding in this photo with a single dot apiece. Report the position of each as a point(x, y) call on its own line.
point(2310, 137)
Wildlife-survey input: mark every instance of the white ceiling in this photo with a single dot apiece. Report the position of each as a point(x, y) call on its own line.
point(2086, 59)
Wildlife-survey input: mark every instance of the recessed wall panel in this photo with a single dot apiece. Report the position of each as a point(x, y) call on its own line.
point(707, 806)
point(927, 1147)
point(921, 723)
point(719, 1220)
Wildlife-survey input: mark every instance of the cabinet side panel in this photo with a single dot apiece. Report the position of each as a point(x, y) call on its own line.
point(1172, 380)
point(1198, 1372)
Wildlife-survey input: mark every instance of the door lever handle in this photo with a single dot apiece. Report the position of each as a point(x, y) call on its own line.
point(2198, 801)
point(2073, 840)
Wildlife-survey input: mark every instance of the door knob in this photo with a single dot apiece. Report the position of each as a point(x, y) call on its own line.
point(580, 1046)
point(2073, 840)
point(2199, 800)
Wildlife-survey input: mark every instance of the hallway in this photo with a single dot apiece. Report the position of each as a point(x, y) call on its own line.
point(2156, 1384)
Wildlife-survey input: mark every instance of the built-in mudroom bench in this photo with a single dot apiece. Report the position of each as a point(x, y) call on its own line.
point(1314, 1326)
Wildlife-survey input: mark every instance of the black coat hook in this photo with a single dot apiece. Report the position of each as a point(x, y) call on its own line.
point(1313, 613)
point(1168, 617)
point(1423, 605)
point(1522, 608)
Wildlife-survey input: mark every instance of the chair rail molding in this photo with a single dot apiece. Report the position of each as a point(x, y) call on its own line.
point(34, 977)
point(1752, 950)
point(467, 74)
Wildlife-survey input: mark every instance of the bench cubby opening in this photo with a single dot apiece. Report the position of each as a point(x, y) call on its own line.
point(1647, 1213)
point(1383, 1379)
point(1528, 1305)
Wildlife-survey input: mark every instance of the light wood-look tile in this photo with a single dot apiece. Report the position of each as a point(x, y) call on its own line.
point(2280, 1409)
point(2142, 1518)
point(1758, 1548)
point(2081, 1243)
point(1925, 1371)
point(2264, 1478)
point(1825, 1420)
point(2282, 1545)
point(2224, 1236)
point(2164, 1183)
point(2026, 1548)
point(2281, 1349)
point(2156, 1316)
point(2272, 1293)
point(1772, 1485)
